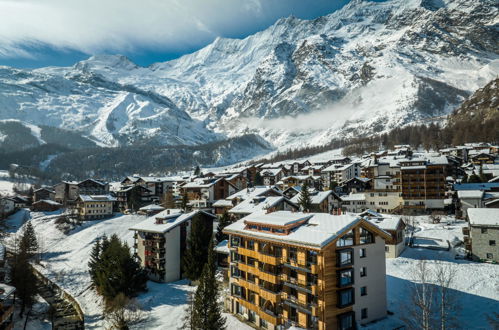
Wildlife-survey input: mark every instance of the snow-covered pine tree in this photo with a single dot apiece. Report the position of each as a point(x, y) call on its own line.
point(304, 200)
point(222, 223)
point(28, 243)
point(207, 312)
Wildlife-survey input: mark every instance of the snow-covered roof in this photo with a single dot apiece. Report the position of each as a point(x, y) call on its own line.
point(45, 188)
point(5, 291)
point(483, 216)
point(257, 204)
point(94, 181)
point(152, 207)
point(336, 167)
point(169, 221)
point(318, 231)
point(354, 197)
point(316, 197)
point(48, 201)
point(271, 171)
point(222, 247)
point(252, 192)
point(201, 183)
point(97, 198)
point(470, 194)
point(222, 203)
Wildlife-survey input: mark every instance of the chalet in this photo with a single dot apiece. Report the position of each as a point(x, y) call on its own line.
point(45, 205)
point(202, 193)
point(7, 207)
point(312, 170)
point(321, 201)
point(20, 202)
point(92, 207)
point(66, 192)
point(307, 270)
point(223, 205)
point(238, 180)
point(297, 180)
point(297, 166)
point(291, 192)
point(126, 195)
point(393, 225)
point(44, 193)
point(271, 176)
point(356, 184)
point(92, 187)
point(338, 173)
point(482, 234)
point(157, 186)
point(475, 199)
point(482, 158)
point(161, 241)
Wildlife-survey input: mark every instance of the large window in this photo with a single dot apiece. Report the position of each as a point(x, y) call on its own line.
point(346, 240)
point(345, 257)
point(345, 298)
point(366, 236)
point(250, 245)
point(292, 254)
point(345, 277)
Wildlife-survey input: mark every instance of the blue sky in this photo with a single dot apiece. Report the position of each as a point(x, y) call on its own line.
point(37, 33)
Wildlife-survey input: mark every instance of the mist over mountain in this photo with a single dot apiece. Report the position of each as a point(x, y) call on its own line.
point(364, 69)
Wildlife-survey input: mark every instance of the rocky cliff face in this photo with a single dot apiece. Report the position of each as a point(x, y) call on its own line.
point(366, 68)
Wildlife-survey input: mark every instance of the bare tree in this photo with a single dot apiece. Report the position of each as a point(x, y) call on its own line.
point(422, 297)
point(123, 313)
point(444, 279)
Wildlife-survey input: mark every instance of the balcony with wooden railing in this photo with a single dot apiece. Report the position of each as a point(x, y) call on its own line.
point(274, 297)
point(248, 253)
point(6, 312)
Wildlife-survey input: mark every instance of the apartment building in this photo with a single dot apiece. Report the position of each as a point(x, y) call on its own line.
point(92, 207)
point(308, 270)
point(160, 242)
point(423, 182)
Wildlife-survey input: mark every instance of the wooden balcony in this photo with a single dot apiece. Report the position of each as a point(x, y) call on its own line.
point(268, 259)
point(6, 313)
point(268, 277)
point(249, 285)
point(248, 252)
point(269, 317)
point(270, 296)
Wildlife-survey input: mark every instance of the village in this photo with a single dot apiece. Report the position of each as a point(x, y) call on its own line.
point(332, 243)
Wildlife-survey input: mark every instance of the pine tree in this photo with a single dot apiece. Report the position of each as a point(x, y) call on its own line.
point(304, 200)
point(207, 313)
point(197, 247)
point(197, 171)
point(185, 202)
point(24, 280)
point(258, 181)
point(29, 243)
point(94, 261)
point(222, 223)
point(117, 271)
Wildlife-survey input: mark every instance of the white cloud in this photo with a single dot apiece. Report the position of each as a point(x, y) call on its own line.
point(92, 26)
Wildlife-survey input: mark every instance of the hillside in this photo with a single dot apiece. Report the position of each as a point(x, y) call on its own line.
point(366, 68)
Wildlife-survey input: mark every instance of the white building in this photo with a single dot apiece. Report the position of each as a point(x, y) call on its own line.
point(160, 242)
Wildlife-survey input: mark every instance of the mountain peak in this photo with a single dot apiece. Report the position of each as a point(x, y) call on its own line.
point(107, 61)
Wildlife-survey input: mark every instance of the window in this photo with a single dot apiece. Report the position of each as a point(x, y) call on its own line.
point(387, 248)
point(484, 230)
point(345, 257)
point(345, 277)
point(362, 253)
point(346, 240)
point(363, 291)
point(292, 254)
point(263, 323)
point(492, 243)
point(363, 271)
point(346, 321)
point(345, 298)
point(366, 236)
point(250, 245)
point(490, 256)
point(363, 313)
point(250, 261)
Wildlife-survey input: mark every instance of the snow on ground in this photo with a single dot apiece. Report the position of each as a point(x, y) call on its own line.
point(476, 284)
point(37, 319)
point(6, 183)
point(65, 259)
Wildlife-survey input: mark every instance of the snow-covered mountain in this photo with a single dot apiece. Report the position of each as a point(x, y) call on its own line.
point(366, 68)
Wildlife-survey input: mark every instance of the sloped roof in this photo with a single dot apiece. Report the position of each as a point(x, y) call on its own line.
point(171, 221)
point(97, 198)
point(483, 216)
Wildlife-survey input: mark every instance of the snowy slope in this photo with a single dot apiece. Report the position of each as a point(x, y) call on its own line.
point(366, 68)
